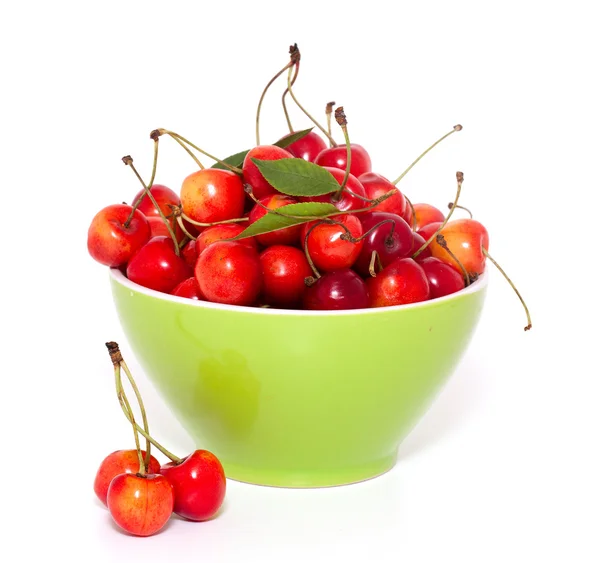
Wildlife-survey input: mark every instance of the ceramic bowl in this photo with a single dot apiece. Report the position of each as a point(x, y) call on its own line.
point(297, 398)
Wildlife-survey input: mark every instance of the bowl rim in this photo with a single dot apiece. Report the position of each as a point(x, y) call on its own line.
point(117, 275)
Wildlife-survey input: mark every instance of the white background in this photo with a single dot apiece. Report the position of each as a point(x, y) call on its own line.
point(505, 466)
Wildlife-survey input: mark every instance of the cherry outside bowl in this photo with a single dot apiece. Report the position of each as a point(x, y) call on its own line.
point(297, 398)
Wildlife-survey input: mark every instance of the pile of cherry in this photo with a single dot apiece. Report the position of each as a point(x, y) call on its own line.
point(302, 223)
point(141, 495)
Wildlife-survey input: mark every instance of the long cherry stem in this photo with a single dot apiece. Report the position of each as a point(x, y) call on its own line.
point(456, 128)
point(224, 222)
point(186, 149)
point(129, 162)
point(285, 110)
point(331, 139)
point(487, 255)
point(412, 214)
point(459, 181)
point(340, 117)
point(375, 259)
point(328, 111)
point(451, 205)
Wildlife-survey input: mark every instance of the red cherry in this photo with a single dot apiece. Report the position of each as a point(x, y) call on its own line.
point(375, 186)
point(198, 485)
point(110, 241)
point(308, 147)
point(465, 238)
point(189, 288)
point(347, 202)
point(252, 175)
point(443, 279)
point(190, 253)
point(165, 197)
point(284, 270)
point(157, 267)
point(327, 249)
point(418, 242)
point(121, 461)
point(401, 282)
point(141, 505)
point(426, 214)
point(213, 195)
point(229, 272)
point(427, 231)
point(289, 235)
point(342, 289)
point(336, 158)
point(221, 232)
point(392, 239)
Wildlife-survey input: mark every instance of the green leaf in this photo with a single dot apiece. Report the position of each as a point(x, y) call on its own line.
point(292, 138)
point(297, 177)
point(236, 160)
point(287, 216)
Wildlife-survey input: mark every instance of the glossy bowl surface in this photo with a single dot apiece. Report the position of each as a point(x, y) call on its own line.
point(297, 398)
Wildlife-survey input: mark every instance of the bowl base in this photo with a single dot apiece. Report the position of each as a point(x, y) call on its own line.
point(308, 479)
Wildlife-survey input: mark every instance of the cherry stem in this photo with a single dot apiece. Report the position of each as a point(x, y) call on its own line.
point(182, 227)
point(224, 222)
point(331, 139)
point(129, 162)
point(413, 214)
point(340, 117)
point(307, 253)
point(455, 128)
point(186, 141)
point(459, 181)
point(186, 149)
point(328, 111)
point(375, 259)
point(118, 362)
point(487, 255)
point(285, 110)
point(450, 205)
point(442, 242)
point(349, 238)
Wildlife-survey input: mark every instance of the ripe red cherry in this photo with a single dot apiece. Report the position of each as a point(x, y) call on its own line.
point(327, 249)
point(157, 267)
point(289, 235)
point(418, 242)
point(229, 272)
point(198, 485)
point(141, 505)
point(408, 215)
point(121, 461)
point(190, 253)
point(426, 214)
point(336, 158)
point(110, 241)
point(375, 186)
point(189, 288)
point(252, 175)
point(443, 279)
point(392, 239)
point(308, 147)
point(347, 202)
point(427, 231)
point(284, 270)
point(342, 289)
point(213, 195)
point(401, 282)
point(221, 232)
point(165, 198)
point(465, 238)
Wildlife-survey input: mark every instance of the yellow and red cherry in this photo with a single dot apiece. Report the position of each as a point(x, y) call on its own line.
point(388, 235)
point(140, 504)
point(377, 185)
point(327, 248)
point(284, 270)
point(253, 176)
point(308, 147)
point(215, 233)
point(199, 485)
point(212, 195)
point(426, 214)
point(399, 283)
point(443, 279)
point(338, 290)
point(157, 266)
point(289, 235)
point(229, 272)
point(336, 157)
point(120, 461)
point(116, 233)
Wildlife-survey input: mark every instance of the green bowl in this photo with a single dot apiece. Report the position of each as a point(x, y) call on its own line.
point(297, 398)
